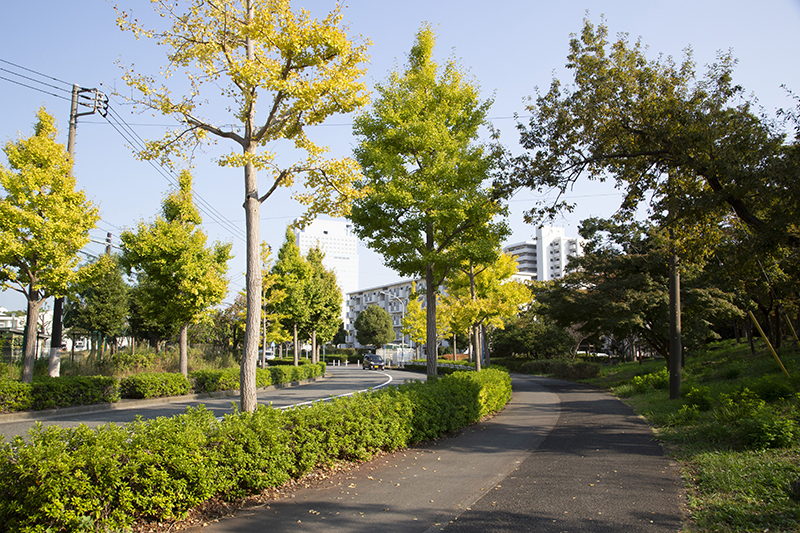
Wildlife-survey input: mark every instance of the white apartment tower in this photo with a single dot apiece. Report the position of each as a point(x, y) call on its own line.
point(393, 298)
point(547, 257)
point(340, 245)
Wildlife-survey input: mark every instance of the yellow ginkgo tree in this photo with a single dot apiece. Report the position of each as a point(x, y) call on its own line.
point(44, 222)
point(485, 295)
point(255, 73)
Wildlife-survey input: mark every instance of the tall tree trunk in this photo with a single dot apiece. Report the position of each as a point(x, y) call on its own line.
point(252, 209)
point(296, 347)
point(263, 337)
point(430, 319)
point(31, 330)
point(750, 339)
point(183, 356)
point(476, 342)
point(314, 346)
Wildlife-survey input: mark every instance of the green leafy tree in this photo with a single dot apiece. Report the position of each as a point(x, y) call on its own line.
point(425, 206)
point(144, 323)
point(619, 288)
point(643, 122)
point(325, 302)
point(273, 330)
point(485, 295)
point(99, 300)
point(44, 222)
point(374, 326)
point(341, 335)
point(293, 274)
point(530, 336)
point(184, 278)
point(694, 149)
point(279, 71)
point(228, 324)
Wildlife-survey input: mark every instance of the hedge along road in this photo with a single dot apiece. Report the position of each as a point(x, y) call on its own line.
point(339, 381)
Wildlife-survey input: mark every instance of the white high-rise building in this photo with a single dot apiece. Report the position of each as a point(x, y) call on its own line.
point(547, 257)
point(340, 245)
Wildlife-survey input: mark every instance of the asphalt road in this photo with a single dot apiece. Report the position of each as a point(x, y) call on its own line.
point(338, 381)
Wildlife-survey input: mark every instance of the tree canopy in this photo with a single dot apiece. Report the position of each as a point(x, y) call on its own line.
point(183, 277)
point(427, 205)
point(694, 148)
point(44, 222)
point(619, 288)
point(279, 71)
point(99, 298)
point(485, 295)
point(374, 326)
point(292, 276)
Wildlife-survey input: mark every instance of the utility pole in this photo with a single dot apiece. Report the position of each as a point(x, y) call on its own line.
point(675, 334)
point(98, 102)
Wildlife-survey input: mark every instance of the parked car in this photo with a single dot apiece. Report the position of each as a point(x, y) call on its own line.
point(373, 361)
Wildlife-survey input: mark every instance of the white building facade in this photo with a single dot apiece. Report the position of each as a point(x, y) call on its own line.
point(393, 298)
point(340, 245)
point(547, 257)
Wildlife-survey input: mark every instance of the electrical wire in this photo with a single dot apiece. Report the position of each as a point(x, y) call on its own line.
point(117, 123)
point(138, 143)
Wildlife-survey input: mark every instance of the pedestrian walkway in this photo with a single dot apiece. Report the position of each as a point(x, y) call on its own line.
point(560, 457)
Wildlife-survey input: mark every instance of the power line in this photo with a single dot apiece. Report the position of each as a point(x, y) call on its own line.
point(35, 72)
point(135, 141)
point(33, 88)
point(121, 126)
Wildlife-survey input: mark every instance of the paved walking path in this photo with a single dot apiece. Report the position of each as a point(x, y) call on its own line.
point(560, 457)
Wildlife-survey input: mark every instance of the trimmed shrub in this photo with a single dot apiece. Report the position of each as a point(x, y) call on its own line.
point(14, 395)
point(154, 385)
point(104, 479)
point(655, 380)
point(576, 371)
point(215, 380)
point(69, 391)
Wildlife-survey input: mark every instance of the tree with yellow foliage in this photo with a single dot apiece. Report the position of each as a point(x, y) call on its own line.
point(485, 295)
point(292, 69)
point(44, 222)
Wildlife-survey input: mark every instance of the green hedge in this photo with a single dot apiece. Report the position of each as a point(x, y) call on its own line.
point(154, 385)
point(14, 395)
point(228, 379)
point(68, 391)
point(80, 479)
point(50, 393)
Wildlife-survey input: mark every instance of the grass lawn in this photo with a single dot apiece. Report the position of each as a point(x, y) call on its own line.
point(735, 430)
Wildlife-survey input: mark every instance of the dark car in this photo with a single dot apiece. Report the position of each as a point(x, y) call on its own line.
point(373, 361)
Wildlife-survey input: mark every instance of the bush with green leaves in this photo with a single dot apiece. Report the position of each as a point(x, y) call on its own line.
point(154, 385)
point(228, 379)
point(215, 380)
point(70, 391)
point(14, 395)
point(104, 479)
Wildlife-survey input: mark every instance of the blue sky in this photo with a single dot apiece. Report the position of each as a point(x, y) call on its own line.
point(510, 47)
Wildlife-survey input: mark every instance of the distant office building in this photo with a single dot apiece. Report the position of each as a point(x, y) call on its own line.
point(393, 298)
point(547, 257)
point(340, 246)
